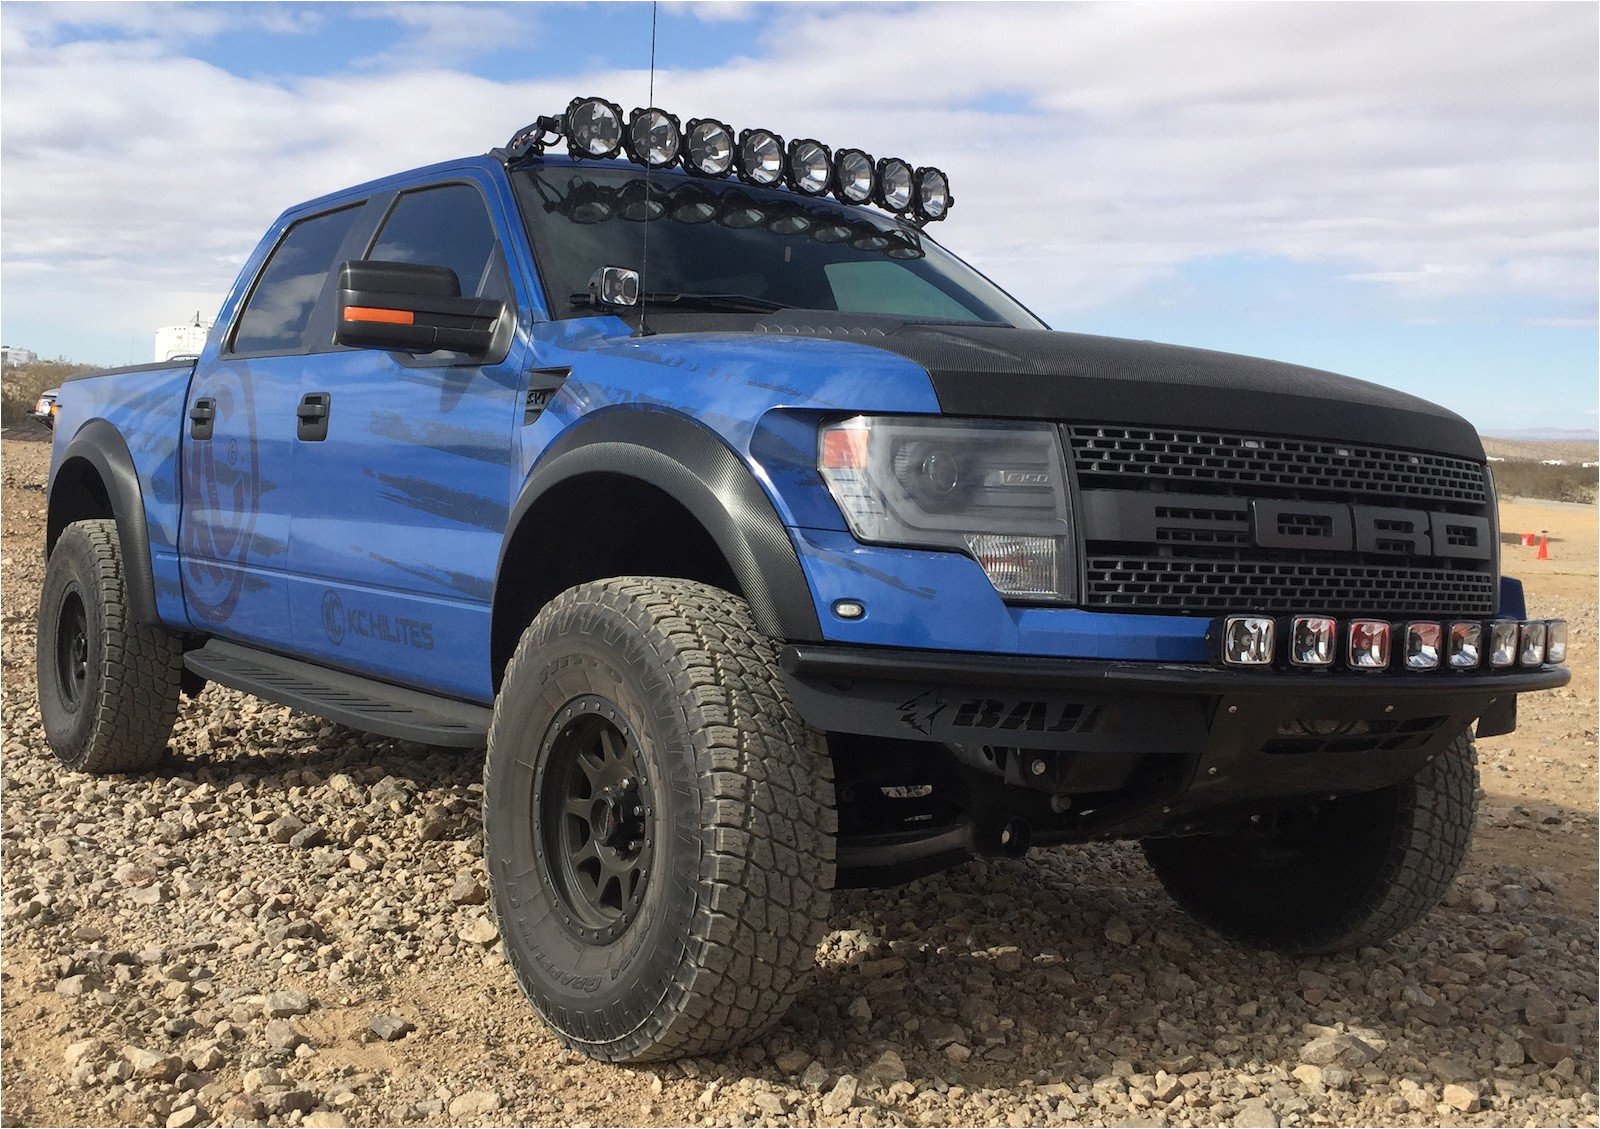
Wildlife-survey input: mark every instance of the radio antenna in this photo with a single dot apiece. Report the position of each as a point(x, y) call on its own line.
point(644, 256)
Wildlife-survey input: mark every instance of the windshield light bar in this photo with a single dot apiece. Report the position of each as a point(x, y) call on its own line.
point(594, 129)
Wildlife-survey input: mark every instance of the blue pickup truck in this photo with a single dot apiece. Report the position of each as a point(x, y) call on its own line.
point(769, 547)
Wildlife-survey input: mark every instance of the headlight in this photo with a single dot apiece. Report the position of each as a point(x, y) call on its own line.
point(760, 157)
point(810, 167)
point(653, 138)
point(594, 128)
point(895, 188)
point(856, 176)
point(994, 491)
point(933, 194)
point(708, 146)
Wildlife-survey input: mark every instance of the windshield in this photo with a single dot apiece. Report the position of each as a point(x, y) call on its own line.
point(725, 241)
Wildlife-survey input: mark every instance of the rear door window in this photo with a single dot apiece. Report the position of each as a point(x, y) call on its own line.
point(279, 311)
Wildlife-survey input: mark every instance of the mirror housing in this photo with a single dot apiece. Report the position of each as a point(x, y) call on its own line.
point(410, 308)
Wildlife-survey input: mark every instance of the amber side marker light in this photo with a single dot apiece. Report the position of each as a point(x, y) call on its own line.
point(372, 313)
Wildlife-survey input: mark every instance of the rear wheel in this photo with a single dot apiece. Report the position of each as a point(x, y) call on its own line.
point(658, 821)
point(108, 686)
point(1336, 875)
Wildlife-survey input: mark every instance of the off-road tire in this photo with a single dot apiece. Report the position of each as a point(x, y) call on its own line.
point(1356, 871)
point(740, 819)
point(116, 714)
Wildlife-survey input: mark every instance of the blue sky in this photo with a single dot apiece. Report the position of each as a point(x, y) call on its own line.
point(1406, 193)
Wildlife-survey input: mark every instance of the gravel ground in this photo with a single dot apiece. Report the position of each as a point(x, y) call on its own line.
point(285, 925)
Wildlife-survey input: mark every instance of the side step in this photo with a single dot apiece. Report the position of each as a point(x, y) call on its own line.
point(361, 703)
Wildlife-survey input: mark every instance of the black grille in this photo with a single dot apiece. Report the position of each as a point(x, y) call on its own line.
point(1164, 584)
point(1198, 461)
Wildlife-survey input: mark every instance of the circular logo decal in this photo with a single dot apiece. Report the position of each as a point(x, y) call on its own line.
point(333, 616)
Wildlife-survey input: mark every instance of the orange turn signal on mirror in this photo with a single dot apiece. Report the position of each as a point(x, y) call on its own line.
point(372, 313)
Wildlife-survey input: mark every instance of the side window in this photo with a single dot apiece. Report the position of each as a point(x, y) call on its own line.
point(888, 288)
point(275, 318)
point(445, 227)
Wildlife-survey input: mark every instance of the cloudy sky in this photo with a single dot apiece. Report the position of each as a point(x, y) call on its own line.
point(1404, 192)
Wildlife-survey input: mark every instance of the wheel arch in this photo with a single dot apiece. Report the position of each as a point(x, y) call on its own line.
point(701, 512)
point(96, 478)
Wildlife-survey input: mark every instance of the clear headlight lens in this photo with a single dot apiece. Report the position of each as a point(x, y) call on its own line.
point(653, 138)
point(856, 176)
point(708, 147)
point(1555, 650)
point(594, 128)
point(994, 491)
point(933, 194)
point(895, 187)
point(760, 157)
point(810, 167)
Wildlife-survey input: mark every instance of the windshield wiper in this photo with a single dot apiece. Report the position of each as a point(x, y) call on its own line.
point(738, 303)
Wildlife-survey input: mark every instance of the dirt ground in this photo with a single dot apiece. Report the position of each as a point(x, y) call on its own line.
point(156, 912)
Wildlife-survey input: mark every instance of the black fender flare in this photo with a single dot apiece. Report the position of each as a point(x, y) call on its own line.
point(101, 445)
point(693, 465)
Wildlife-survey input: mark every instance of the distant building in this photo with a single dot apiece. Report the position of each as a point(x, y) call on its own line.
point(10, 355)
point(182, 340)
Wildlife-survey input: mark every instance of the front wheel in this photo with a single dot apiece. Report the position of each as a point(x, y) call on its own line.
point(1336, 875)
point(108, 686)
point(659, 822)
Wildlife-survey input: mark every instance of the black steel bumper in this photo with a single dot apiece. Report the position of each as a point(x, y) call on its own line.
point(1237, 736)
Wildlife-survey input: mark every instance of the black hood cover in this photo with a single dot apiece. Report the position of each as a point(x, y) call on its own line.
point(985, 370)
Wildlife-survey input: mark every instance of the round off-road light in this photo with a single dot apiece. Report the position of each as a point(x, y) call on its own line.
point(1466, 646)
point(654, 139)
point(854, 176)
point(1424, 645)
point(759, 157)
point(1532, 644)
point(708, 147)
point(1312, 639)
point(933, 194)
point(1503, 635)
point(896, 187)
point(1369, 644)
point(1248, 640)
point(810, 167)
point(594, 128)
point(1555, 648)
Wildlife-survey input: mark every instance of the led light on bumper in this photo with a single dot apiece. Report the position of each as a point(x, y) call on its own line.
point(1248, 640)
point(1466, 646)
point(1503, 636)
point(1424, 645)
point(996, 492)
point(1312, 640)
point(1369, 644)
point(1532, 651)
point(1555, 647)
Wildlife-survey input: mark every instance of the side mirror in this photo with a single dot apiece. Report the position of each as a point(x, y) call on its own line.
point(411, 309)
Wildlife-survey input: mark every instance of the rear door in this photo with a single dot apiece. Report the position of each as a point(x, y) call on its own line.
point(403, 500)
point(238, 436)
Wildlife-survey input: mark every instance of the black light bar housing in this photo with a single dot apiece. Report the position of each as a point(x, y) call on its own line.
point(532, 139)
point(1268, 642)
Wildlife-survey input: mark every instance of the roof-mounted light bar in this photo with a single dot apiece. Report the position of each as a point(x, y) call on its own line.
point(595, 129)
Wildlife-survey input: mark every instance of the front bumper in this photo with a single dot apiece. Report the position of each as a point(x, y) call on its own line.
point(1226, 737)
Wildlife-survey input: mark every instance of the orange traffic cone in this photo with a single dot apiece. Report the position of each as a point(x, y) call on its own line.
point(1544, 546)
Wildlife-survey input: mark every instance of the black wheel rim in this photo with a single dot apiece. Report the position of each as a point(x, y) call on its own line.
point(593, 819)
point(72, 650)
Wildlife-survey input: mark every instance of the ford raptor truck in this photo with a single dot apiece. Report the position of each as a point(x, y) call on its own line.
point(769, 548)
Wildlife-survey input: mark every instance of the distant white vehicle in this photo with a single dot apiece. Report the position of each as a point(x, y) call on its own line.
point(175, 341)
point(1590, 466)
point(1553, 462)
point(1496, 459)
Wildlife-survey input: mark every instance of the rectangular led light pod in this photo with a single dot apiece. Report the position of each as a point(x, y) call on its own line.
point(1533, 644)
point(1311, 640)
point(1555, 643)
point(1424, 645)
point(1248, 640)
point(1503, 643)
point(1369, 644)
point(1466, 646)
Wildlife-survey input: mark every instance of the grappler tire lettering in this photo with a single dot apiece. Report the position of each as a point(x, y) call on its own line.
point(1339, 876)
point(738, 822)
point(108, 687)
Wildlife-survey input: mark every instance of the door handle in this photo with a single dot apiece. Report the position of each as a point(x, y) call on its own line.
point(203, 418)
point(313, 417)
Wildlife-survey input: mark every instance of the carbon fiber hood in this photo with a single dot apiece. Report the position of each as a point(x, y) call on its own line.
point(1041, 374)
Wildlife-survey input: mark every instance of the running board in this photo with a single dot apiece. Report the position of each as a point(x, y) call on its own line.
point(361, 703)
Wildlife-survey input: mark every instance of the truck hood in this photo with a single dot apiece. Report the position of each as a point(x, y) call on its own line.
point(1042, 374)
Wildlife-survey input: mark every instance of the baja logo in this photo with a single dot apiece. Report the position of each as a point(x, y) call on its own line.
point(921, 712)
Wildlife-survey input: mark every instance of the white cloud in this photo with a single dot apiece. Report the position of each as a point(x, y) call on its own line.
point(1430, 149)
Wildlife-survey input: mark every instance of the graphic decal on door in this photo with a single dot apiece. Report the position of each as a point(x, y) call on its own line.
point(222, 487)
